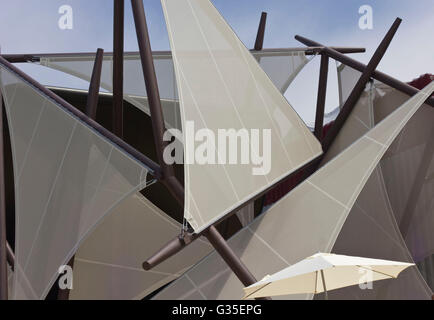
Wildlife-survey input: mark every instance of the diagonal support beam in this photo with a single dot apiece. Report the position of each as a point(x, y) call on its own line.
point(259, 44)
point(322, 91)
point(159, 129)
point(367, 72)
point(180, 242)
point(360, 86)
point(221, 246)
point(157, 118)
point(377, 75)
point(151, 83)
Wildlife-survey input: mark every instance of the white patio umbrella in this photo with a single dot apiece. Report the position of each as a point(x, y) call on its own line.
point(323, 272)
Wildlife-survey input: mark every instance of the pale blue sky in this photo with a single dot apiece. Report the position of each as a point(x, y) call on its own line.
point(31, 26)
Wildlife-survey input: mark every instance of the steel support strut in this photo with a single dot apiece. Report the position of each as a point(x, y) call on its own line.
point(377, 75)
point(36, 57)
point(322, 90)
point(158, 126)
point(3, 244)
point(259, 44)
point(118, 67)
point(221, 246)
point(360, 86)
point(95, 82)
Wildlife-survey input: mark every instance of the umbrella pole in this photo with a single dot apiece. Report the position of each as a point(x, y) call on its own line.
point(324, 285)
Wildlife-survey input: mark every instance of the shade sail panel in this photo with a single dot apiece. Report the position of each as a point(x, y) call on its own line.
point(360, 120)
point(81, 66)
point(67, 178)
point(281, 66)
point(307, 220)
point(347, 79)
point(222, 87)
point(408, 169)
point(371, 229)
point(108, 264)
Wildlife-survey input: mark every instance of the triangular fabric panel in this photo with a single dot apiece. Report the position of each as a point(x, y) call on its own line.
point(67, 178)
point(81, 66)
point(347, 79)
point(372, 218)
point(408, 169)
point(282, 66)
point(222, 87)
point(308, 220)
point(108, 264)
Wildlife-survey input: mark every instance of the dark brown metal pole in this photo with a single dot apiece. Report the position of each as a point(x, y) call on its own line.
point(3, 241)
point(322, 91)
point(151, 84)
point(221, 246)
point(170, 249)
point(158, 129)
point(360, 86)
point(259, 44)
point(118, 67)
point(179, 243)
point(158, 125)
point(35, 57)
point(95, 82)
point(377, 75)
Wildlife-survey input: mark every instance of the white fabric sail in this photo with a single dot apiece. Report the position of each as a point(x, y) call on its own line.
point(108, 264)
point(347, 79)
point(282, 66)
point(408, 169)
point(81, 66)
point(222, 87)
point(67, 178)
point(308, 220)
point(372, 214)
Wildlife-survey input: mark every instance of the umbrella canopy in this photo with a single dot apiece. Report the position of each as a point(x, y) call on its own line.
point(323, 272)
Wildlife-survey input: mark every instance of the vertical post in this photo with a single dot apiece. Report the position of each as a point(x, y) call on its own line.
point(95, 82)
point(118, 67)
point(322, 91)
point(360, 86)
point(151, 83)
point(3, 245)
point(259, 44)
